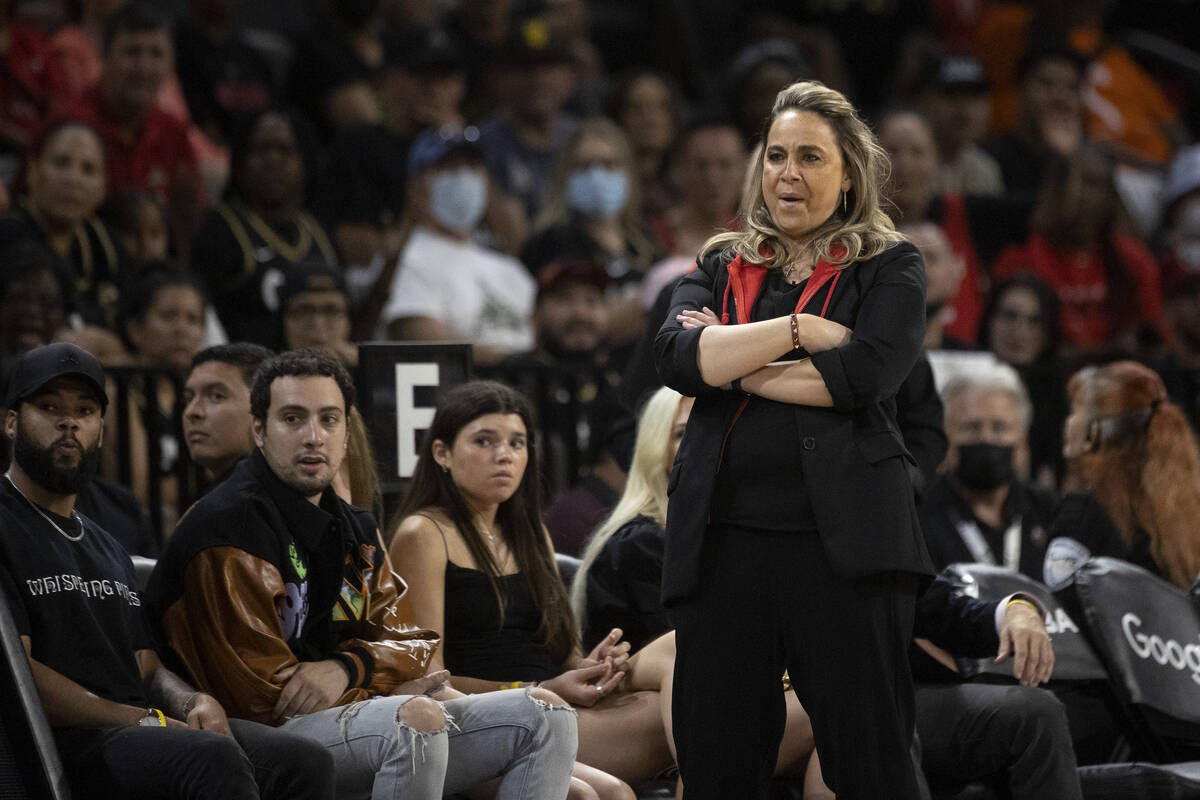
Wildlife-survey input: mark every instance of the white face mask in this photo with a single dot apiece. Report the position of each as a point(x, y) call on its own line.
point(458, 198)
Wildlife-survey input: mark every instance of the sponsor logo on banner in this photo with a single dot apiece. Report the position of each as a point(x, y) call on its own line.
point(1164, 652)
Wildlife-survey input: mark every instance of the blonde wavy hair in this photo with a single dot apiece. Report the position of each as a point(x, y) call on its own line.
point(645, 488)
point(1144, 463)
point(863, 229)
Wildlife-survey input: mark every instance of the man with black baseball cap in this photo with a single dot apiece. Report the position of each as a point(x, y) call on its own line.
point(124, 724)
point(362, 190)
point(569, 369)
point(954, 99)
point(314, 308)
point(527, 135)
point(446, 285)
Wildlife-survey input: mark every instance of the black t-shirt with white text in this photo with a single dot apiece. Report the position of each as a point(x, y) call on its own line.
point(77, 601)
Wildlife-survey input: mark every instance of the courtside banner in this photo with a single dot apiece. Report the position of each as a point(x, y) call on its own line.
point(1148, 634)
point(1074, 659)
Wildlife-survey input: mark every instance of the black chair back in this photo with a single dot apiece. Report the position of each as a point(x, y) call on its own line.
point(567, 567)
point(1140, 780)
point(1147, 633)
point(143, 568)
point(1074, 658)
point(30, 768)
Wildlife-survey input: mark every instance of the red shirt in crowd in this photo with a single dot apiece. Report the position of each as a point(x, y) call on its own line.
point(158, 159)
point(1082, 287)
point(31, 83)
point(967, 302)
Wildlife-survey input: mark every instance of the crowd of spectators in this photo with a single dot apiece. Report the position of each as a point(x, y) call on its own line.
point(531, 176)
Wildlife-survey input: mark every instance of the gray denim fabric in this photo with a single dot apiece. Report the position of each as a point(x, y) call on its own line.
point(529, 745)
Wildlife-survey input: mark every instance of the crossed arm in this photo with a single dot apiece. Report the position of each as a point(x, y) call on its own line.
point(848, 370)
point(748, 351)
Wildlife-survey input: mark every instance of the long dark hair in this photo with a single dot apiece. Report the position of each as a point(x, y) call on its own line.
point(520, 516)
point(1047, 307)
point(140, 293)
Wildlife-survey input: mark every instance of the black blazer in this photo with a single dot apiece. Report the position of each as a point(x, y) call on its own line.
point(854, 459)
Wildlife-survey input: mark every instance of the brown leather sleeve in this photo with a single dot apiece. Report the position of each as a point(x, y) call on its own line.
point(226, 628)
point(398, 649)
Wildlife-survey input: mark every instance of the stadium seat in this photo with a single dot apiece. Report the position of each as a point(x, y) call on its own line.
point(30, 768)
point(1147, 634)
point(143, 567)
point(567, 567)
point(1140, 780)
point(1074, 659)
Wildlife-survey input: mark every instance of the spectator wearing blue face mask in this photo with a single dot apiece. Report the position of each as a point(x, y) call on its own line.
point(591, 212)
point(445, 285)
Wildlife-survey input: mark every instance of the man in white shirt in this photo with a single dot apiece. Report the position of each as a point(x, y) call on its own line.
point(446, 286)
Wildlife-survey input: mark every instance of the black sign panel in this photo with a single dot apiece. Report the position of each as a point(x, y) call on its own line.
point(1074, 659)
point(398, 387)
point(1148, 634)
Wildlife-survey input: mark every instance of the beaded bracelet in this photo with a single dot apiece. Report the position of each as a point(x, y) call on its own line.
point(795, 333)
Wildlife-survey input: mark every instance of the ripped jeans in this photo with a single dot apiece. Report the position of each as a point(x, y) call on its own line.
point(526, 743)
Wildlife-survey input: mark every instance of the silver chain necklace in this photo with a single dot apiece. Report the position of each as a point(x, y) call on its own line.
point(53, 524)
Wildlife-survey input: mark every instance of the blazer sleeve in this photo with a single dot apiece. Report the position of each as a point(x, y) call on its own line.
point(394, 650)
point(919, 413)
point(955, 622)
point(676, 350)
point(889, 330)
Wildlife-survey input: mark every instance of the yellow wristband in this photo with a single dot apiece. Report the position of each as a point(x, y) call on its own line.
point(1023, 600)
point(150, 721)
point(510, 684)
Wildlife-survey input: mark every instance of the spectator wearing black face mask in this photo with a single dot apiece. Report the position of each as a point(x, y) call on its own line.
point(983, 508)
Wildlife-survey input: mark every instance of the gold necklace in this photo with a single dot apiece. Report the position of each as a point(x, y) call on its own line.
point(292, 252)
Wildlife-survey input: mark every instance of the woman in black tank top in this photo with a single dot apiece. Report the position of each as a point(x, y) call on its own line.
point(471, 546)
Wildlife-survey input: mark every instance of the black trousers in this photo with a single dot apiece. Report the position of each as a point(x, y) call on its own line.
point(970, 731)
point(770, 601)
point(261, 762)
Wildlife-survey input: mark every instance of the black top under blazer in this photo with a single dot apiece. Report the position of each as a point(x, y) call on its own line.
point(852, 455)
